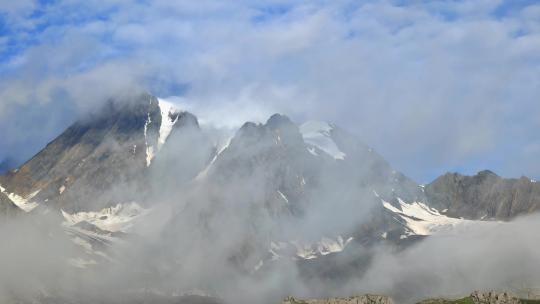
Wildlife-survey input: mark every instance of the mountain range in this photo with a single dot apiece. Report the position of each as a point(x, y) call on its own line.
point(254, 199)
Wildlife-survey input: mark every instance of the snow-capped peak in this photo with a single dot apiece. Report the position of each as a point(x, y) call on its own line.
point(318, 134)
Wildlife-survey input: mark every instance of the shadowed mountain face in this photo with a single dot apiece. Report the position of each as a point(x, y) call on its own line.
point(484, 196)
point(89, 157)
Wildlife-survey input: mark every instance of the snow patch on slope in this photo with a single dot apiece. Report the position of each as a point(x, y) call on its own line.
point(149, 148)
point(220, 147)
point(169, 117)
point(283, 196)
point(116, 218)
point(24, 203)
point(421, 219)
point(308, 251)
point(318, 134)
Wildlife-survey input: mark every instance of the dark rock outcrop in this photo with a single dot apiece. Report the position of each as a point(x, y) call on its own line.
point(364, 299)
point(492, 297)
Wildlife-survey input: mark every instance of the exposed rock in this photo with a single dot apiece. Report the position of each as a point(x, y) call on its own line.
point(492, 297)
point(364, 299)
point(484, 196)
point(90, 157)
point(100, 160)
point(480, 297)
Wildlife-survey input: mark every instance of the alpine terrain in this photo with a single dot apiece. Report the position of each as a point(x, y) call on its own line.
point(140, 202)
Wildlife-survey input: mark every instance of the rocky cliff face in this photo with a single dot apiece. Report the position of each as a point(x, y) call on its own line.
point(100, 160)
point(484, 196)
point(90, 157)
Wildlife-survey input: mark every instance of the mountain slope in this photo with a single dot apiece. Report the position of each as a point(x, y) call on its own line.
point(8, 209)
point(100, 160)
point(484, 196)
point(280, 196)
point(145, 150)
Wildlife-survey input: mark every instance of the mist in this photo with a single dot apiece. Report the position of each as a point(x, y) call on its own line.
point(182, 259)
point(501, 257)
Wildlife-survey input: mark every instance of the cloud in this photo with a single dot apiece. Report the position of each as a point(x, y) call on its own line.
point(17, 9)
point(433, 86)
point(498, 256)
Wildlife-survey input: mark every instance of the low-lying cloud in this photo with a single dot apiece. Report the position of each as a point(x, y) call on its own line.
point(186, 258)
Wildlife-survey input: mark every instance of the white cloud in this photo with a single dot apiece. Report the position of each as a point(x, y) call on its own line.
point(15, 7)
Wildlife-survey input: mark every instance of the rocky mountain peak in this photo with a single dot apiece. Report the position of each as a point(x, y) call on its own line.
point(483, 196)
point(277, 121)
point(486, 173)
point(109, 148)
point(185, 119)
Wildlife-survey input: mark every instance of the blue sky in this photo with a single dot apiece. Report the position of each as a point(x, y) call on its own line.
point(434, 86)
